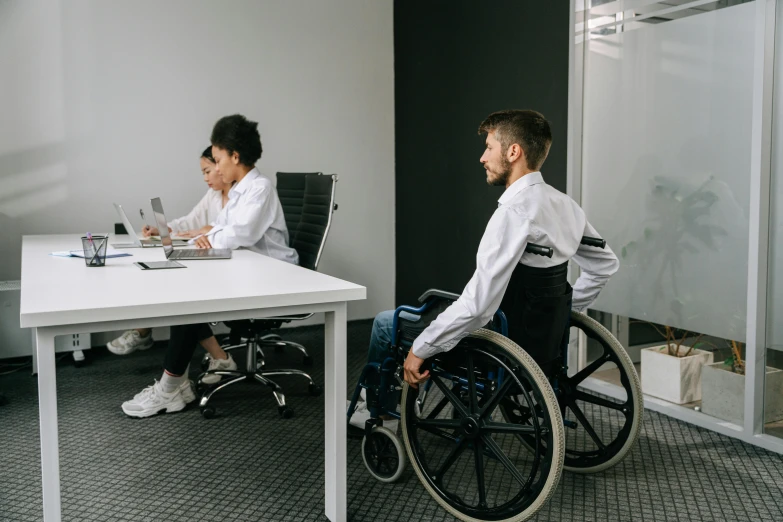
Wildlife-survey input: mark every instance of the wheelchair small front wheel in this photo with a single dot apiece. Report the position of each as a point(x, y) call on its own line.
point(383, 455)
point(474, 462)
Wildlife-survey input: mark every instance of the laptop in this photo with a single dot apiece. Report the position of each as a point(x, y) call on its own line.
point(187, 253)
point(138, 242)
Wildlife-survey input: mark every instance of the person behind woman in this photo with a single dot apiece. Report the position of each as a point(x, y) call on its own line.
point(204, 213)
point(253, 219)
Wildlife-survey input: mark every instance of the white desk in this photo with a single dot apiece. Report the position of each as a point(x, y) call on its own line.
point(62, 296)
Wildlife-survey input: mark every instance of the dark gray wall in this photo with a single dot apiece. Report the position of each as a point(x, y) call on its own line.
point(455, 63)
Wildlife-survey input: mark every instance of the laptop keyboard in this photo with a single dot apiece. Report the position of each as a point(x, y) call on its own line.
point(195, 253)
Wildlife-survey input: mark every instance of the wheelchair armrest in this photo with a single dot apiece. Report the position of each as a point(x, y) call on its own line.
point(441, 294)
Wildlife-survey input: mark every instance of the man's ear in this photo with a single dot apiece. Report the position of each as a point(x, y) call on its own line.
point(514, 153)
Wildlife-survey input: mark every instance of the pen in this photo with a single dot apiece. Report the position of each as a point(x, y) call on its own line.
point(141, 211)
point(94, 250)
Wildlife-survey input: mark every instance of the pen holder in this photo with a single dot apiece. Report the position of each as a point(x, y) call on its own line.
point(95, 250)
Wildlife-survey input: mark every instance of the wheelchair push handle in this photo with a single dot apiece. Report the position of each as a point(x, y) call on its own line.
point(540, 250)
point(594, 242)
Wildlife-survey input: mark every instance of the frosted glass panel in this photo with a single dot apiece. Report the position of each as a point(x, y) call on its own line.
point(666, 160)
point(775, 281)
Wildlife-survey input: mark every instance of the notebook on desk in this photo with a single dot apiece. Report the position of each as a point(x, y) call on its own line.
point(187, 253)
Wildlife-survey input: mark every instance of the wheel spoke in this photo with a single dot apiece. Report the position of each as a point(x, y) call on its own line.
point(437, 431)
point(438, 408)
point(590, 368)
point(439, 423)
point(585, 424)
point(453, 399)
point(478, 451)
point(599, 401)
point(491, 404)
point(502, 427)
point(501, 456)
point(456, 451)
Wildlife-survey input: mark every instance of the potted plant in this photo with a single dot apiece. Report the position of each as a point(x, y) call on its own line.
point(672, 371)
point(723, 385)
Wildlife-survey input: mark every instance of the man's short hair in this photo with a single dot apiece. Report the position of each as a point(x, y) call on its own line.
point(236, 133)
point(527, 128)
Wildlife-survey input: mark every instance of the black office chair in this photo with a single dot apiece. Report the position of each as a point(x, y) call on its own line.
point(313, 210)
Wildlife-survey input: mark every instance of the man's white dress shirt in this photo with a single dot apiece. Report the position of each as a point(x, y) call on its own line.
point(529, 211)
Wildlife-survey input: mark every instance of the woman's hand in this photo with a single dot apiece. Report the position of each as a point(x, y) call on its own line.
point(203, 242)
point(148, 231)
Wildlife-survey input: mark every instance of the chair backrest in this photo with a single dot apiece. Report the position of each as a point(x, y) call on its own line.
point(291, 191)
point(316, 218)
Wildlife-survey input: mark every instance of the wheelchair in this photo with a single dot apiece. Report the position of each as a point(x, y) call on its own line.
point(488, 434)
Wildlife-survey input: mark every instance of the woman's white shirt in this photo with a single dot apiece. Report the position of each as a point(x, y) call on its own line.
point(203, 214)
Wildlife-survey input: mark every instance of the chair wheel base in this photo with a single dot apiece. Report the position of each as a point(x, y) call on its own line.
point(315, 390)
point(208, 412)
point(285, 412)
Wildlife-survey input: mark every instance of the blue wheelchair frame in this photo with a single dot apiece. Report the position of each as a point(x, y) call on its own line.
point(390, 366)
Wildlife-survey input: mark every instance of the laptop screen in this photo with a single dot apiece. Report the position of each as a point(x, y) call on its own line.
point(163, 226)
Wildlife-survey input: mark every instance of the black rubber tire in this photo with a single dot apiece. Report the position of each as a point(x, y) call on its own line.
point(549, 464)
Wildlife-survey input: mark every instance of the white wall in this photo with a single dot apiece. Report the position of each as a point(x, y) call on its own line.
point(114, 101)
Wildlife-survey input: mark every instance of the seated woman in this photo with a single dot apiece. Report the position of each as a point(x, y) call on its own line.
point(204, 213)
point(253, 219)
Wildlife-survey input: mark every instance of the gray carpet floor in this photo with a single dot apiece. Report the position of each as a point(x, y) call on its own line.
point(249, 464)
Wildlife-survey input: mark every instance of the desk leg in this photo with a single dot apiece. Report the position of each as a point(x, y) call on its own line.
point(47, 404)
point(335, 383)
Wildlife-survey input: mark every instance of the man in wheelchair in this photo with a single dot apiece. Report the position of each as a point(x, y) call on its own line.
point(532, 290)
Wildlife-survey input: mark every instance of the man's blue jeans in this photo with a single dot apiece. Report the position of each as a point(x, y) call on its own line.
point(381, 349)
point(381, 337)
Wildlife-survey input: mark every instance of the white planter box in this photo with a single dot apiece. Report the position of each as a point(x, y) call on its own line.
point(724, 393)
point(675, 379)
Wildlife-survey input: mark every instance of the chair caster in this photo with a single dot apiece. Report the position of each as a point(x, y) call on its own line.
point(285, 412)
point(307, 360)
point(208, 412)
point(205, 363)
point(315, 390)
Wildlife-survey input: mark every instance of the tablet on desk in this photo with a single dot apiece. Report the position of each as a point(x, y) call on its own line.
point(158, 265)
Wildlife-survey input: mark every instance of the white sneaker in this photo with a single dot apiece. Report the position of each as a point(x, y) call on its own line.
point(360, 415)
point(129, 342)
point(186, 391)
point(152, 400)
point(218, 364)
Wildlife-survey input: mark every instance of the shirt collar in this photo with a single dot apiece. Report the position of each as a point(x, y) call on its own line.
point(533, 178)
point(242, 186)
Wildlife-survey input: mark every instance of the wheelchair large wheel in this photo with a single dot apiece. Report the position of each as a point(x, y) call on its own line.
point(475, 465)
point(600, 430)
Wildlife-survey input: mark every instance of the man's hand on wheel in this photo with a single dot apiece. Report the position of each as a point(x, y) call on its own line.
point(412, 368)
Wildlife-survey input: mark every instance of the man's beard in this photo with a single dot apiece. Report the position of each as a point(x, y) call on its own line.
point(500, 178)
